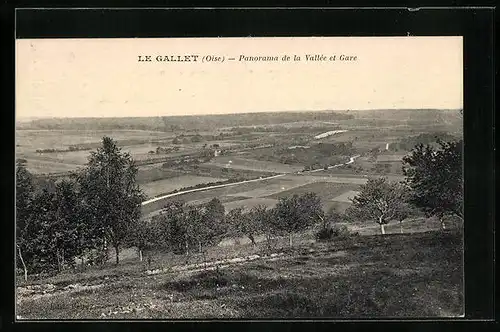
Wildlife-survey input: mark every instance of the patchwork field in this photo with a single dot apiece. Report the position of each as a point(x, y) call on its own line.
point(202, 195)
point(325, 190)
point(278, 185)
point(155, 188)
point(46, 166)
point(30, 140)
point(267, 192)
point(337, 175)
point(251, 164)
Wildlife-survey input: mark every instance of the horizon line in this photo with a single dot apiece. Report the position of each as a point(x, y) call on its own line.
point(34, 117)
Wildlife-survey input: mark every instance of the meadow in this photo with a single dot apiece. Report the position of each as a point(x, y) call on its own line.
point(397, 275)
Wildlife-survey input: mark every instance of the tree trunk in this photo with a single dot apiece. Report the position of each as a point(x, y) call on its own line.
point(58, 258)
point(187, 248)
point(63, 260)
point(381, 223)
point(290, 239)
point(117, 252)
point(382, 229)
point(443, 225)
point(199, 246)
point(24, 265)
point(140, 255)
point(252, 239)
point(401, 226)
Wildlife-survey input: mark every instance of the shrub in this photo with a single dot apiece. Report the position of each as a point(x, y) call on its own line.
point(337, 231)
point(324, 234)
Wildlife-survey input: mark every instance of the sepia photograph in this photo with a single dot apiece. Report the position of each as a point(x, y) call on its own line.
point(239, 178)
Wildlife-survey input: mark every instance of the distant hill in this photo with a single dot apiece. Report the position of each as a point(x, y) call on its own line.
point(217, 121)
point(191, 122)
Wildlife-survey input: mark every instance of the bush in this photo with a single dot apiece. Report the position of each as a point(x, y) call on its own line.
point(329, 232)
point(324, 234)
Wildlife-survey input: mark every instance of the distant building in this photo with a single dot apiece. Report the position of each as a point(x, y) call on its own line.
point(217, 152)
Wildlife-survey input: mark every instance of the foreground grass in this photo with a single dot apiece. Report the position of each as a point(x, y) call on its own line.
point(413, 275)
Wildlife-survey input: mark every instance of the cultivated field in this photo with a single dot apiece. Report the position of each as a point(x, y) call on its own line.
point(268, 191)
point(249, 203)
point(254, 165)
point(152, 189)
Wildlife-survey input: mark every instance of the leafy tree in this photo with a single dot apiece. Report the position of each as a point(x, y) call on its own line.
point(111, 193)
point(210, 223)
point(172, 224)
point(183, 226)
point(24, 199)
point(197, 232)
point(406, 209)
point(41, 247)
point(247, 224)
point(235, 220)
point(144, 236)
point(380, 201)
point(297, 213)
point(263, 221)
point(65, 227)
point(435, 177)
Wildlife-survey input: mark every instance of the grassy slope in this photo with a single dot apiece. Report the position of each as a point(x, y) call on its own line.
point(396, 275)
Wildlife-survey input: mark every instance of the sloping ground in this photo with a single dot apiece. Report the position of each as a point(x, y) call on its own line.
point(415, 275)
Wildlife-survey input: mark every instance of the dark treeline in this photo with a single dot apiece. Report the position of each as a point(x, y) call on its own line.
point(285, 129)
point(176, 123)
point(184, 228)
point(408, 143)
point(312, 157)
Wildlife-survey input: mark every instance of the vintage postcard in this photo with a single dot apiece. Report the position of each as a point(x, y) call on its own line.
point(239, 178)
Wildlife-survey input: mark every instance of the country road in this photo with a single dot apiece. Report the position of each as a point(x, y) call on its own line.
point(351, 160)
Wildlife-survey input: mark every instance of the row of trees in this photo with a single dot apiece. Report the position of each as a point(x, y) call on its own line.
point(80, 216)
point(182, 228)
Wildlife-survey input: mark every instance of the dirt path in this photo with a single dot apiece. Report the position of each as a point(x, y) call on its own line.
point(35, 292)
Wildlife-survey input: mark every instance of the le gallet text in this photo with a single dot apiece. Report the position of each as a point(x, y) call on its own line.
point(168, 58)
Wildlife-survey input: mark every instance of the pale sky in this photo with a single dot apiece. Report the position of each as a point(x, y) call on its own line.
point(102, 77)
